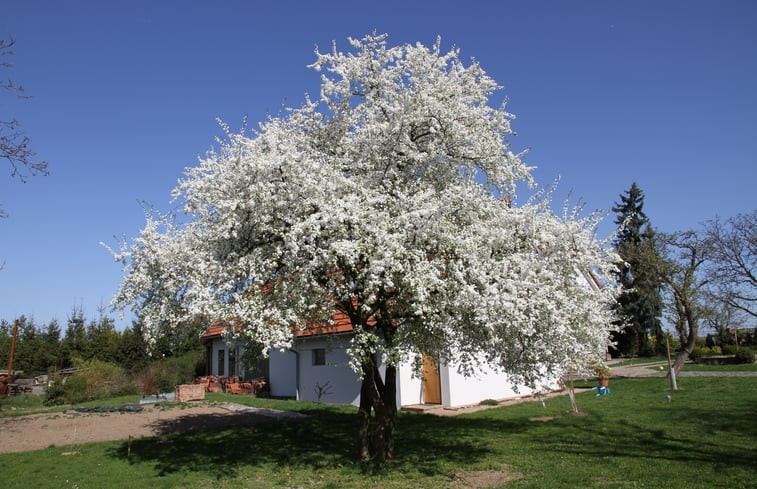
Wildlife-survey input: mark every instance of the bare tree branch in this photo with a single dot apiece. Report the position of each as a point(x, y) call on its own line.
point(682, 258)
point(733, 266)
point(14, 144)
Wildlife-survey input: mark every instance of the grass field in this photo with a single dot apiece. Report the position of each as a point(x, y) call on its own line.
point(739, 367)
point(690, 366)
point(706, 437)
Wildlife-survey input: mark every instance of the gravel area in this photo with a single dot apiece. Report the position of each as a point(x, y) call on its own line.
point(69, 429)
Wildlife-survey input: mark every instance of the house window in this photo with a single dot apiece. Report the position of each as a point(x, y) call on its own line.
point(221, 366)
point(232, 363)
point(319, 356)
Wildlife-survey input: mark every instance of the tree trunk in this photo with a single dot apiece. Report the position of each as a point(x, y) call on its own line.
point(386, 416)
point(380, 396)
point(691, 341)
point(364, 419)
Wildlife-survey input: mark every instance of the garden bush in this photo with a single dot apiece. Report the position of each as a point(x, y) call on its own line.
point(94, 380)
point(745, 355)
point(165, 374)
point(697, 353)
point(730, 349)
point(704, 351)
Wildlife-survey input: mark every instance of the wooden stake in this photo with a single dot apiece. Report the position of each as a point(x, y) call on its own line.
point(572, 392)
point(13, 351)
point(671, 372)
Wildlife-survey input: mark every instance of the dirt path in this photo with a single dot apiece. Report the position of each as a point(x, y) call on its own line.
point(34, 432)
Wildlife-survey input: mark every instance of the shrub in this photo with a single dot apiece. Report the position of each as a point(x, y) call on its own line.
point(55, 392)
point(186, 366)
point(745, 355)
point(730, 349)
point(66, 390)
point(601, 371)
point(165, 374)
point(127, 389)
point(94, 380)
point(697, 353)
point(704, 351)
point(675, 344)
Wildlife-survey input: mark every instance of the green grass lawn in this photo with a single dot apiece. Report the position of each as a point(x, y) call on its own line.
point(706, 437)
point(28, 404)
point(736, 367)
point(690, 366)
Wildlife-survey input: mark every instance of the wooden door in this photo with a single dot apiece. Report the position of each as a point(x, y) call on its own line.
point(432, 384)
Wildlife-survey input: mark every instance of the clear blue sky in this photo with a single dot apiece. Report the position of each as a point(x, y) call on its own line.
point(125, 96)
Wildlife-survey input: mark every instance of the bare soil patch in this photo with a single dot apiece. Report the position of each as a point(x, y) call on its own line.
point(485, 479)
point(575, 413)
point(38, 431)
point(542, 419)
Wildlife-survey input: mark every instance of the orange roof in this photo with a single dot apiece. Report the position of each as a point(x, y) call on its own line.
point(218, 328)
point(341, 324)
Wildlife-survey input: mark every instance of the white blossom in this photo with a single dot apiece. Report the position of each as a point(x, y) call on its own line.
point(382, 198)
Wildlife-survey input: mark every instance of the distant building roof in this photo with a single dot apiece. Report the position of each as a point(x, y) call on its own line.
point(340, 324)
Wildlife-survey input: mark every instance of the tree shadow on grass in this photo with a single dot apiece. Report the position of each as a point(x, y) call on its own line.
point(220, 444)
point(607, 436)
point(425, 442)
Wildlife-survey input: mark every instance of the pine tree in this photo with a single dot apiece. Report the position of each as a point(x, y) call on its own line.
point(74, 343)
point(132, 352)
point(640, 302)
point(50, 353)
point(102, 339)
point(27, 347)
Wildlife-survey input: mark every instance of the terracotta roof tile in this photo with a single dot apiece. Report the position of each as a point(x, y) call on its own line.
point(341, 324)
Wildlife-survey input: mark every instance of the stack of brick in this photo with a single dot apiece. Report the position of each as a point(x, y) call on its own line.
point(190, 392)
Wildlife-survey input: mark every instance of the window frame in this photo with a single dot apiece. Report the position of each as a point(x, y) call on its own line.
point(318, 357)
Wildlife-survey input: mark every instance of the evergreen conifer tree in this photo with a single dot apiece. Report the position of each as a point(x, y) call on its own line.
point(74, 343)
point(640, 303)
point(132, 352)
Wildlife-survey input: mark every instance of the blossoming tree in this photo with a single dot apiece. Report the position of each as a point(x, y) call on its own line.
point(382, 199)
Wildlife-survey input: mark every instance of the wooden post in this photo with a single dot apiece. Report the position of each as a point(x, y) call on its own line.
point(671, 372)
point(572, 392)
point(13, 350)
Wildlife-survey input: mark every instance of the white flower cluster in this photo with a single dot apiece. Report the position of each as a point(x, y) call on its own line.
point(382, 198)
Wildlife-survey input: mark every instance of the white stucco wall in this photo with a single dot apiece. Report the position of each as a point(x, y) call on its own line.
point(458, 390)
point(282, 373)
point(338, 383)
point(410, 389)
point(486, 384)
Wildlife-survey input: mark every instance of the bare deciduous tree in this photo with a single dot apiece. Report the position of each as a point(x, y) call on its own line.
point(732, 270)
point(682, 257)
point(14, 143)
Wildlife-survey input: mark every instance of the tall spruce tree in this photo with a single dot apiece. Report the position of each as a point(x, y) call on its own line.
point(640, 303)
point(74, 343)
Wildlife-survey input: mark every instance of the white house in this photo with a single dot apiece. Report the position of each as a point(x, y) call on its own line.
point(317, 369)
